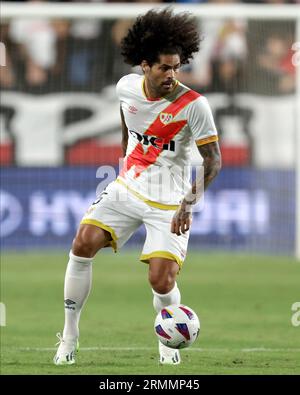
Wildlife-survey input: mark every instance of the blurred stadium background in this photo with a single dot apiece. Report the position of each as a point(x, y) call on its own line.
point(60, 124)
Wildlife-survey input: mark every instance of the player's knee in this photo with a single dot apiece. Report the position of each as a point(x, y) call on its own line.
point(161, 285)
point(162, 275)
point(83, 248)
point(88, 241)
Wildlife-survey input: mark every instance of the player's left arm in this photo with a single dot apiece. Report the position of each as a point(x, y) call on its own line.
point(211, 165)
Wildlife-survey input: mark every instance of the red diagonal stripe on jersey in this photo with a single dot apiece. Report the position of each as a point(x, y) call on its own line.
point(157, 128)
point(142, 160)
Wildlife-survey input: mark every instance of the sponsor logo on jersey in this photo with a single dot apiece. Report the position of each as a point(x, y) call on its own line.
point(165, 117)
point(156, 142)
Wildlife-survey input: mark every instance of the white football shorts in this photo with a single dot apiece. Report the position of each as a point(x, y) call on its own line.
point(121, 212)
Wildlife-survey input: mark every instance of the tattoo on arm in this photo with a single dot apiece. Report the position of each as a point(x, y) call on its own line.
point(211, 161)
point(124, 133)
point(211, 166)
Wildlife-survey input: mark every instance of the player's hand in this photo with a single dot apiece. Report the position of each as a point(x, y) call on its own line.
point(182, 219)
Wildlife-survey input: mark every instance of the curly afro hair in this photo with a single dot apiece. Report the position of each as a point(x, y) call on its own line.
point(161, 32)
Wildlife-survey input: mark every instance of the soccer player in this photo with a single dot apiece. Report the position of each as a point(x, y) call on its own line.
point(161, 119)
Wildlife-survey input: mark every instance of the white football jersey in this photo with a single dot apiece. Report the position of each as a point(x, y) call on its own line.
point(160, 137)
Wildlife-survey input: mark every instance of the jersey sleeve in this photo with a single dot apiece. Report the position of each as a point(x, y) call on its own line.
point(120, 87)
point(125, 84)
point(201, 122)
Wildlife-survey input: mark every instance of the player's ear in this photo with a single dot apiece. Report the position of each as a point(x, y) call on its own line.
point(145, 66)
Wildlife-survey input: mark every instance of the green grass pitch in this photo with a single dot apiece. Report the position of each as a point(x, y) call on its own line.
point(243, 302)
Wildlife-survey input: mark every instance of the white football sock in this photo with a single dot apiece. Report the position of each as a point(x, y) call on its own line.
point(78, 281)
point(163, 300)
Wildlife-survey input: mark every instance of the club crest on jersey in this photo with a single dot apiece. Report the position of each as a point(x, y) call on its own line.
point(165, 118)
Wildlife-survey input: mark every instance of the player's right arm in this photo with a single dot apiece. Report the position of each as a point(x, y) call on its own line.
point(121, 91)
point(124, 133)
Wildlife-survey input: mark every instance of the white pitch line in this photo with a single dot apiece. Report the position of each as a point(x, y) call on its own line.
point(256, 349)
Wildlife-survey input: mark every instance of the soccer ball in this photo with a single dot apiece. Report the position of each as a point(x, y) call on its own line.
point(177, 326)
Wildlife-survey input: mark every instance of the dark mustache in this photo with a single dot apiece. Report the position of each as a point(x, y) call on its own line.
point(168, 82)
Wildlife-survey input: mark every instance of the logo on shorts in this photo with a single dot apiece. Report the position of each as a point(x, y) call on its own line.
point(165, 118)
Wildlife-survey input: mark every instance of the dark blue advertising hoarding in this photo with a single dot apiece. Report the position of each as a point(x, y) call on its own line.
point(244, 209)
